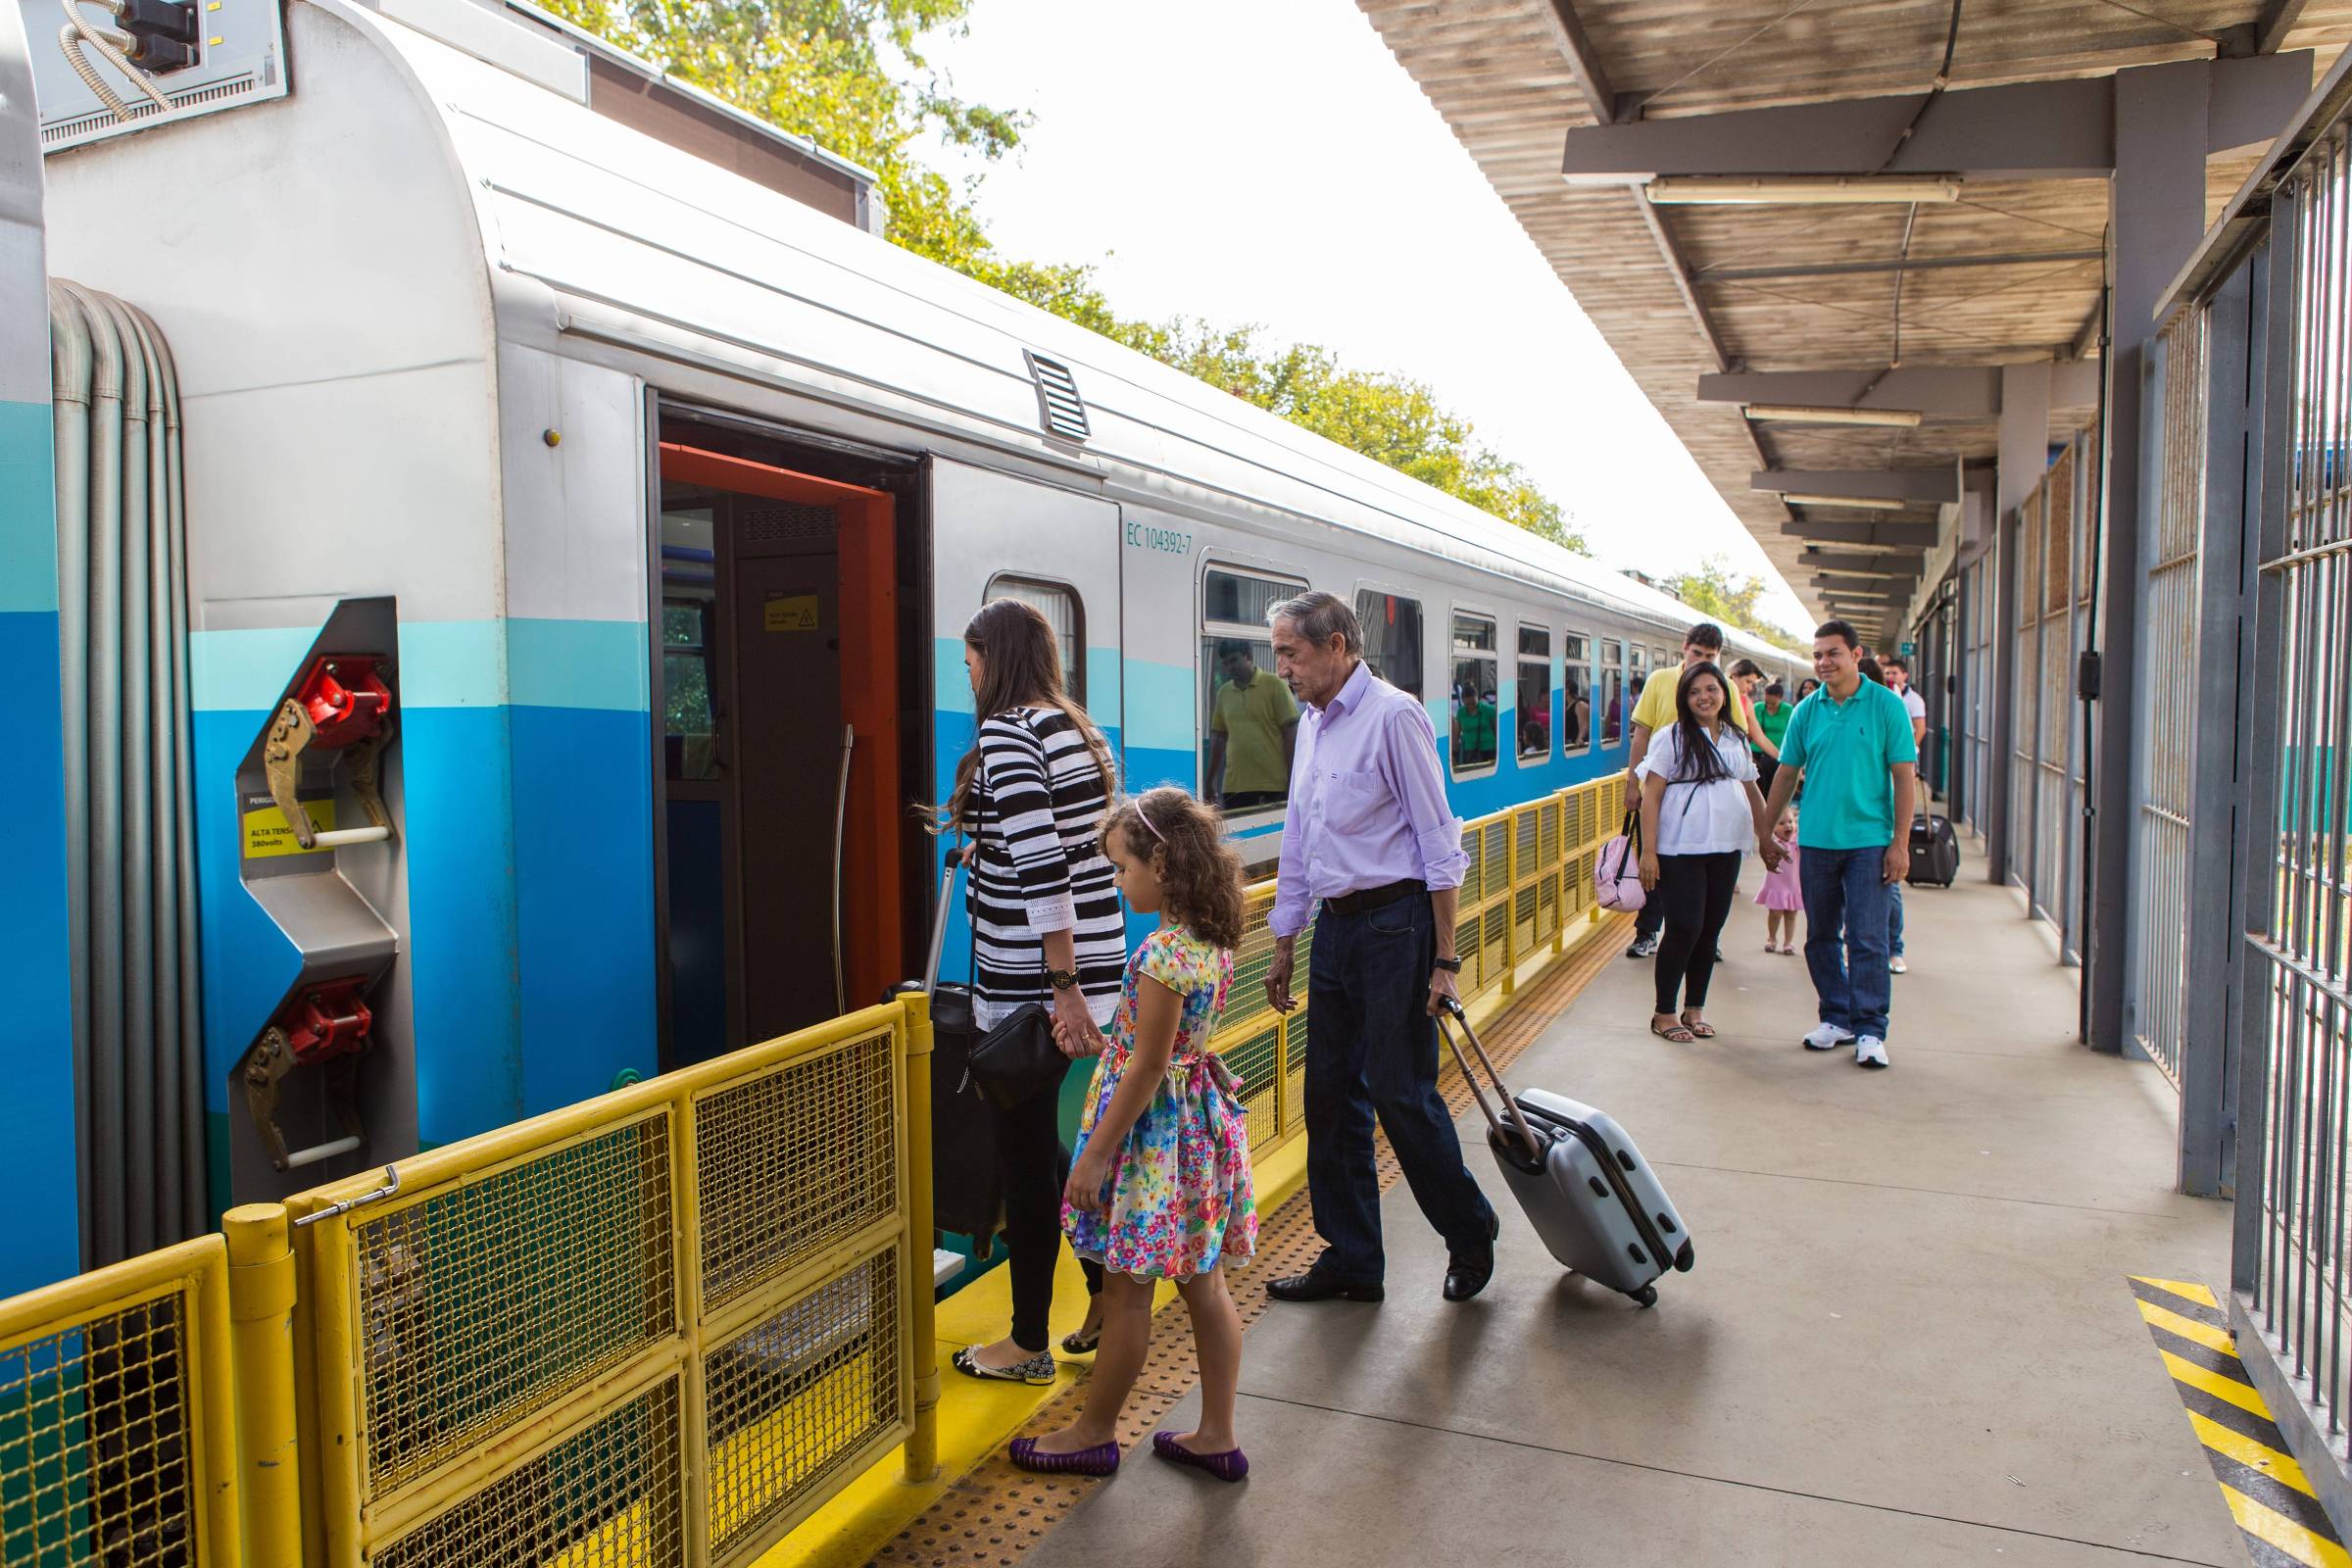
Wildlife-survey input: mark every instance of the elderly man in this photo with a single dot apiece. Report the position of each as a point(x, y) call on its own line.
point(1371, 851)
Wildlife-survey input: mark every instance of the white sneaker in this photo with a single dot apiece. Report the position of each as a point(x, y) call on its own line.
point(1897, 965)
point(1829, 1037)
point(1870, 1052)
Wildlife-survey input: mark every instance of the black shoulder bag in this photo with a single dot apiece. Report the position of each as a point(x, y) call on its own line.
point(1018, 1057)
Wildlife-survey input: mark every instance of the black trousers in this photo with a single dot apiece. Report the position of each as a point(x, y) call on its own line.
point(1035, 1166)
point(1694, 897)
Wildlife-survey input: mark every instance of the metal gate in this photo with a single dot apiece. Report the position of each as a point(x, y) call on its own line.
point(1977, 692)
point(2168, 737)
point(2047, 567)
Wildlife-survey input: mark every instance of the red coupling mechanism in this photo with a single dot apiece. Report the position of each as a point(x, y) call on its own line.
point(326, 1020)
point(346, 700)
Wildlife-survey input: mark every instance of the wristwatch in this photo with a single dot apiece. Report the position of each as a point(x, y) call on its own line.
point(1450, 965)
point(1061, 979)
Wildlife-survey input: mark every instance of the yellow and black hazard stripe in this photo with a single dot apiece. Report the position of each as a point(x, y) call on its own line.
point(2269, 1495)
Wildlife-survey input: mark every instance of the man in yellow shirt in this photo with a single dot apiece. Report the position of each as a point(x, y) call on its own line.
point(1251, 728)
point(1702, 644)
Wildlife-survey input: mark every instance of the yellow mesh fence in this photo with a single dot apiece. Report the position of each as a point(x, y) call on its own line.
point(494, 1297)
point(114, 1401)
point(610, 1494)
point(797, 1399)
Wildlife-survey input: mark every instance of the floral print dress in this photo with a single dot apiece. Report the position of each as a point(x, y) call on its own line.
point(1179, 1198)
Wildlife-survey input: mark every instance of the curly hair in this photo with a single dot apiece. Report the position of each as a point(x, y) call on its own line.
point(1200, 874)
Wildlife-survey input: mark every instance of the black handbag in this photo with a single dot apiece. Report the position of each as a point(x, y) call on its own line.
point(1018, 1059)
point(967, 1185)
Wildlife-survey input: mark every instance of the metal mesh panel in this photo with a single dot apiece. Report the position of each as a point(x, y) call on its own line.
point(1547, 906)
point(93, 1443)
point(1467, 947)
point(1497, 843)
point(1523, 918)
point(798, 1393)
point(610, 1495)
point(1474, 856)
point(792, 1161)
point(1258, 1062)
point(497, 1297)
point(1549, 839)
point(1293, 1073)
point(1493, 948)
point(1245, 1000)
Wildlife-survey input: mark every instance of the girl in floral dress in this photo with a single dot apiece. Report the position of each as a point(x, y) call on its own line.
point(1160, 1187)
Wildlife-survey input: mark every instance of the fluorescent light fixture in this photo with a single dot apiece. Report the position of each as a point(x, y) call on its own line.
point(1799, 413)
point(1798, 498)
point(1732, 191)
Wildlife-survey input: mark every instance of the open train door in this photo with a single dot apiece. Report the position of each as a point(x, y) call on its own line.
point(780, 700)
point(996, 536)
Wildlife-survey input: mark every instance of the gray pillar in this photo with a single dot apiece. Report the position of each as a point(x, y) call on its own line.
point(2157, 208)
point(2024, 457)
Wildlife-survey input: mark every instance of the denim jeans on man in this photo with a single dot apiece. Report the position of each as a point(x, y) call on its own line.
point(1846, 896)
point(1374, 1048)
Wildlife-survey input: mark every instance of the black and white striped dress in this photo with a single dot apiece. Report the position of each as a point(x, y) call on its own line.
point(1037, 816)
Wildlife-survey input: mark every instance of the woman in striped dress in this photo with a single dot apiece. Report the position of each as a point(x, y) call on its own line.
point(1046, 928)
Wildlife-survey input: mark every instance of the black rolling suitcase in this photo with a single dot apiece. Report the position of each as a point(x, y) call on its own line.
point(967, 1187)
point(1583, 1184)
point(1934, 852)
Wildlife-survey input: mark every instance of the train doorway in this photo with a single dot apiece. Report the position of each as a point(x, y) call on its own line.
point(778, 694)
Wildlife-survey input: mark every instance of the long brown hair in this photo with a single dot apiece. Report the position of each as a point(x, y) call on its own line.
point(1020, 667)
point(1200, 874)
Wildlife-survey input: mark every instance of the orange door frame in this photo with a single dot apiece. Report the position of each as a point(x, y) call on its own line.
point(869, 694)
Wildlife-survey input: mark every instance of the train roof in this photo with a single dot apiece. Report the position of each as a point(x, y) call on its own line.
point(634, 242)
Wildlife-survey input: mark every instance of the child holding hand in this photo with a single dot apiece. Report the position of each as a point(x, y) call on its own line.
point(1160, 1187)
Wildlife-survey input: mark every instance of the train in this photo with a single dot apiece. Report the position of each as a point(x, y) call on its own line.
point(578, 506)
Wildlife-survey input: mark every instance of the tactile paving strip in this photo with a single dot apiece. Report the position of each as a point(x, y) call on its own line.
point(996, 1514)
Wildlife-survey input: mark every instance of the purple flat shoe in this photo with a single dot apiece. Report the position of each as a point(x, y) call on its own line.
point(1103, 1460)
point(1231, 1466)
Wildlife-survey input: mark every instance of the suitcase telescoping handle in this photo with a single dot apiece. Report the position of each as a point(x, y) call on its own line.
point(1477, 1090)
point(939, 921)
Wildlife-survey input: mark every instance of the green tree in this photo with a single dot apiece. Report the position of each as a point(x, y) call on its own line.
point(851, 76)
point(1730, 598)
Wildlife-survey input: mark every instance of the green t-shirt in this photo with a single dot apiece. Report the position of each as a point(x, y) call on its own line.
point(1775, 725)
point(1845, 749)
point(1252, 718)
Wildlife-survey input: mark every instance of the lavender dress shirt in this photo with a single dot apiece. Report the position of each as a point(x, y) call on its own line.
point(1367, 802)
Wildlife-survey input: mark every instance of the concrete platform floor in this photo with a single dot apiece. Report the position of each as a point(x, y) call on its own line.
point(1908, 1338)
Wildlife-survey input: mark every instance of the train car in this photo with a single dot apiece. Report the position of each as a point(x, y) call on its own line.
point(578, 534)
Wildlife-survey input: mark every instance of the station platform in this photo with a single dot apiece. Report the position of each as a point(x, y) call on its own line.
point(1911, 1332)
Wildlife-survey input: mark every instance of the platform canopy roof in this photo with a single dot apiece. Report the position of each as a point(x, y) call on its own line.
point(1692, 169)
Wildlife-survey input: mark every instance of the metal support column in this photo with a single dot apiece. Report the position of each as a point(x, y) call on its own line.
point(2025, 452)
point(2158, 215)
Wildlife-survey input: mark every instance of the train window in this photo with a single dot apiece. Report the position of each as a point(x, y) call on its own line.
point(1248, 719)
point(1535, 692)
point(1058, 604)
point(1475, 681)
point(687, 607)
point(1575, 693)
point(1391, 638)
point(1612, 691)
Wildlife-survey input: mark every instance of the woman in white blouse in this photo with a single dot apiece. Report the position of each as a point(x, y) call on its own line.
point(1700, 811)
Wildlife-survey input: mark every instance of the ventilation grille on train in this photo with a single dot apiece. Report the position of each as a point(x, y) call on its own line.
point(1058, 399)
point(64, 131)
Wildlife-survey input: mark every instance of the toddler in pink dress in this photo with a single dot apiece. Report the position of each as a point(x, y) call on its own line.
point(1782, 894)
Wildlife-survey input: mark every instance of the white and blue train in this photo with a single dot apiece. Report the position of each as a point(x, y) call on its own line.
point(582, 506)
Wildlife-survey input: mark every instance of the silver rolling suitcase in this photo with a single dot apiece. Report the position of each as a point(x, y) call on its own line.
point(1583, 1184)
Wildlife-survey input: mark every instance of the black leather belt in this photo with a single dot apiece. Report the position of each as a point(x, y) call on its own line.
point(1365, 900)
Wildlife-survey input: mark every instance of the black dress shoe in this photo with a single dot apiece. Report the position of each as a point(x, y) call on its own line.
point(1467, 1273)
point(1316, 1285)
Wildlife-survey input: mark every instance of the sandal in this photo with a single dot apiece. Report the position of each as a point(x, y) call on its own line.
point(1038, 1370)
point(1677, 1035)
point(1231, 1466)
point(1103, 1460)
point(1078, 1341)
point(1699, 1031)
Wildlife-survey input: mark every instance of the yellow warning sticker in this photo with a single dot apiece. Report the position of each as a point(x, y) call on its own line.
point(268, 834)
point(796, 614)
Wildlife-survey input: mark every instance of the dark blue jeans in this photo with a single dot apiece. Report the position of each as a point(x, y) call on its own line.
point(1845, 936)
point(1372, 1049)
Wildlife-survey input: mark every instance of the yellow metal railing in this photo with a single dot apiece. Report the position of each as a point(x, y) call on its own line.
point(1530, 873)
point(117, 1447)
point(662, 1326)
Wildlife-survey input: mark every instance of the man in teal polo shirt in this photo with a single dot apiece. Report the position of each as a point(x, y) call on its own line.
point(1851, 744)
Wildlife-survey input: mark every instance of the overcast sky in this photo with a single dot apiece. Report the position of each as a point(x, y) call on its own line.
point(1269, 161)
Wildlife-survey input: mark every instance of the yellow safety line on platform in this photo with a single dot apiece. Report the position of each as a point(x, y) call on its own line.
point(2267, 1491)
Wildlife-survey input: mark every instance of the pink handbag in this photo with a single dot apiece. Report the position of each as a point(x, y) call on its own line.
point(1617, 872)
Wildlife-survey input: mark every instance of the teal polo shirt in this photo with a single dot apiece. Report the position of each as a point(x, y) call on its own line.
point(1845, 749)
